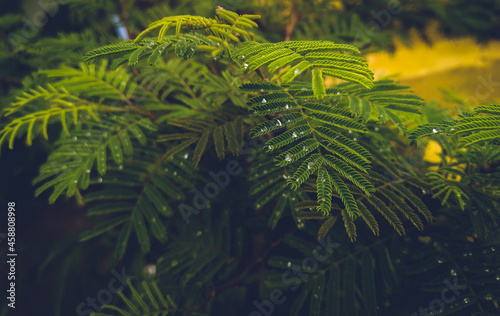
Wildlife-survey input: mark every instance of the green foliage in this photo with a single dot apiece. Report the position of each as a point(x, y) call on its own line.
point(236, 169)
point(150, 300)
point(221, 33)
point(472, 127)
point(330, 58)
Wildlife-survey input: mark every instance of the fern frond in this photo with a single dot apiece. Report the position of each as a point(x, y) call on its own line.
point(488, 109)
point(111, 51)
point(350, 173)
point(324, 183)
point(297, 152)
point(305, 170)
point(412, 199)
point(277, 123)
point(326, 226)
point(389, 215)
point(146, 188)
point(347, 198)
point(429, 129)
point(29, 123)
point(326, 58)
point(91, 81)
point(79, 155)
point(401, 205)
point(480, 137)
point(156, 301)
point(368, 218)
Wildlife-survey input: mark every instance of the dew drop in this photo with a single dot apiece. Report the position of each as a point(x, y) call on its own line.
point(87, 171)
point(424, 192)
point(74, 138)
point(186, 155)
point(355, 139)
point(99, 180)
point(350, 132)
point(466, 300)
point(434, 130)
point(270, 147)
point(174, 173)
point(294, 135)
point(264, 100)
point(245, 66)
point(310, 165)
point(297, 71)
point(453, 272)
point(278, 123)
point(120, 167)
point(288, 158)
point(377, 129)
point(150, 269)
point(287, 106)
point(289, 264)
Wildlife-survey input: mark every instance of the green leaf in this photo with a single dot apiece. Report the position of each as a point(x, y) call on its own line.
point(317, 294)
point(324, 189)
point(219, 142)
point(116, 151)
point(346, 196)
point(141, 230)
point(318, 85)
point(103, 227)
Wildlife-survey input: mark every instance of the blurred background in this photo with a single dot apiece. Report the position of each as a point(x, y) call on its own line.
point(448, 51)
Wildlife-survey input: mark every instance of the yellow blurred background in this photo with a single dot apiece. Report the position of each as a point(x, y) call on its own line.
point(460, 65)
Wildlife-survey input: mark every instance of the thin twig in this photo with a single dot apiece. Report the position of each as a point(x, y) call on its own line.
point(293, 22)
